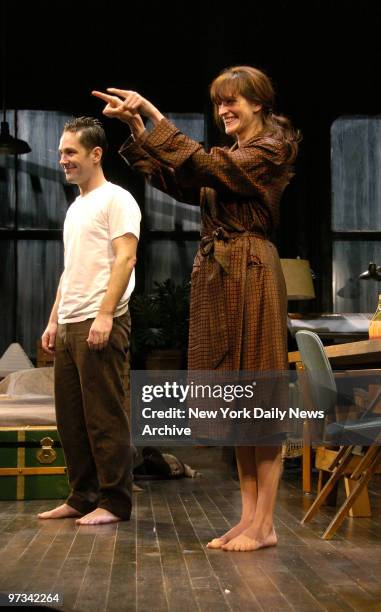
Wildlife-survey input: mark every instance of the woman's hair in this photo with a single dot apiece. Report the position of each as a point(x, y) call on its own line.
point(255, 86)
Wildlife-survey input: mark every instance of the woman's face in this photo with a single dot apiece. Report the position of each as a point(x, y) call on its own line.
point(240, 116)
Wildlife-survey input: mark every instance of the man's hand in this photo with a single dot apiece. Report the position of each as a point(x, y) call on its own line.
point(48, 338)
point(100, 332)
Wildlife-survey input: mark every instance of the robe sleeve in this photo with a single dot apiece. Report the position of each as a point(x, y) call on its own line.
point(243, 172)
point(159, 174)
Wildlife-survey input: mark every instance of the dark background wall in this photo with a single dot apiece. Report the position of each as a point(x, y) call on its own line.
point(323, 57)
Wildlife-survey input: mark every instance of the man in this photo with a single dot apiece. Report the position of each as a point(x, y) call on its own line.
point(89, 329)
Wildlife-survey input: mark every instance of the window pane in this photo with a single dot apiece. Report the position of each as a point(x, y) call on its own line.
point(166, 214)
point(356, 176)
point(169, 259)
point(7, 304)
point(7, 183)
point(40, 264)
point(351, 258)
point(43, 195)
point(163, 212)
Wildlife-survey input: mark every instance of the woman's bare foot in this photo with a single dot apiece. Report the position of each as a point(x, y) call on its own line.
point(251, 539)
point(229, 535)
point(99, 516)
point(63, 511)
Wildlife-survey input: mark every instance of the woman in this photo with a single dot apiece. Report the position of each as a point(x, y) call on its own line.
point(238, 299)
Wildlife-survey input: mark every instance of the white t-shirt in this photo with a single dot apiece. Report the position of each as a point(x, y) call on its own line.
point(91, 223)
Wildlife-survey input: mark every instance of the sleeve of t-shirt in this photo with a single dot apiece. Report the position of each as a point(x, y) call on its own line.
point(124, 215)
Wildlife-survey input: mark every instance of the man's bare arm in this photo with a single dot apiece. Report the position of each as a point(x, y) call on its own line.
point(48, 338)
point(125, 259)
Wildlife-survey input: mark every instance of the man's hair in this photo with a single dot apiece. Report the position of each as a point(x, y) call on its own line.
point(91, 131)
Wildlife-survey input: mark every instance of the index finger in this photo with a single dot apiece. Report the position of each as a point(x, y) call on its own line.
point(119, 92)
point(103, 96)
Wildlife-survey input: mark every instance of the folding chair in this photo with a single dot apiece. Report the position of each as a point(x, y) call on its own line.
point(347, 434)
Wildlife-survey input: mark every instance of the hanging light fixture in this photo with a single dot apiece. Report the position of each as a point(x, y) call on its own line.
point(9, 145)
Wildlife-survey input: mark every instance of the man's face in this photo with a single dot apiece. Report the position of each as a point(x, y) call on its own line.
point(78, 163)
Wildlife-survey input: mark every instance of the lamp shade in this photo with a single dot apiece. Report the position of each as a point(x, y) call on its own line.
point(297, 274)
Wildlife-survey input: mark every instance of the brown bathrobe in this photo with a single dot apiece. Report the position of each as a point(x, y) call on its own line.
point(238, 313)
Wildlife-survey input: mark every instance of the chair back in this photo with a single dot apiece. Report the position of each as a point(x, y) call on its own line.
point(318, 370)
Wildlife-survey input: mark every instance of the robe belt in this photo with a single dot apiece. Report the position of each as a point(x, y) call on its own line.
point(219, 244)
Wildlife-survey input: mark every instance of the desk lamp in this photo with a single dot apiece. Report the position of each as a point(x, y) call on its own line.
point(373, 272)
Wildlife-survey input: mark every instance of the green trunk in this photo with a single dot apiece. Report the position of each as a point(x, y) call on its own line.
point(21, 448)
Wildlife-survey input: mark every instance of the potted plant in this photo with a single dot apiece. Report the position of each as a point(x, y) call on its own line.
point(160, 322)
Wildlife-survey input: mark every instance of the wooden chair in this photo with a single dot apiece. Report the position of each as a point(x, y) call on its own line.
point(364, 431)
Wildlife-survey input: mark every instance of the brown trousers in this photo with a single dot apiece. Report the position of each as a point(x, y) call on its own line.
point(92, 423)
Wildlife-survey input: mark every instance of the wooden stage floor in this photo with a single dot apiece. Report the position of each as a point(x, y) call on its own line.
point(158, 561)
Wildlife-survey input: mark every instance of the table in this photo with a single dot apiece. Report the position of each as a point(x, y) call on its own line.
point(364, 353)
point(341, 327)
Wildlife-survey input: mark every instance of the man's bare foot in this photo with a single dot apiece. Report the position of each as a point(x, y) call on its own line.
point(251, 540)
point(63, 511)
point(99, 516)
point(229, 535)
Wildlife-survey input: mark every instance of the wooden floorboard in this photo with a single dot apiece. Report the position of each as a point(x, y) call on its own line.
point(158, 560)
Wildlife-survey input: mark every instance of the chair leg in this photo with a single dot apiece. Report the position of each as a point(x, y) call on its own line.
point(307, 469)
point(338, 458)
point(366, 460)
point(331, 499)
point(361, 507)
point(328, 487)
point(348, 503)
